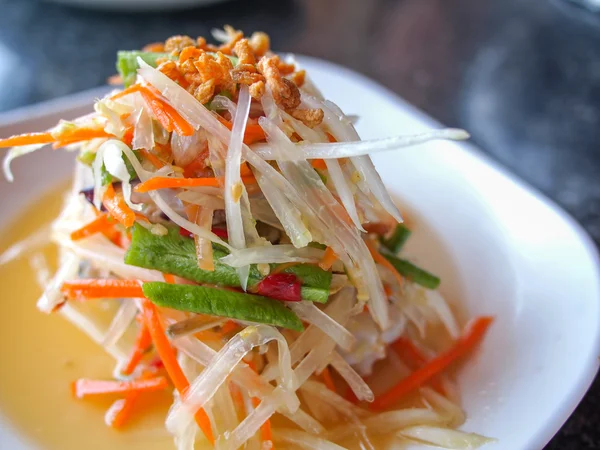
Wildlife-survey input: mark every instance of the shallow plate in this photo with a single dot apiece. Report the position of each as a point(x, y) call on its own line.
point(500, 247)
point(138, 5)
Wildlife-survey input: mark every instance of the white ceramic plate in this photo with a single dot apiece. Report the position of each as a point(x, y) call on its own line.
point(138, 5)
point(499, 246)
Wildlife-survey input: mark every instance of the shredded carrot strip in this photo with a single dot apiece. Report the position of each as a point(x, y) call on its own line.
point(130, 90)
point(209, 335)
point(471, 337)
point(405, 348)
point(236, 395)
point(168, 182)
point(156, 106)
point(198, 166)
point(84, 387)
point(252, 134)
point(121, 410)
point(266, 433)
point(245, 170)
point(26, 139)
point(128, 135)
point(80, 135)
point(143, 341)
point(102, 288)
point(169, 278)
point(116, 206)
point(167, 356)
point(180, 125)
point(380, 259)
point(100, 224)
point(387, 289)
point(229, 327)
point(328, 259)
point(156, 162)
point(318, 164)
point(168, 117)
point(327, 379)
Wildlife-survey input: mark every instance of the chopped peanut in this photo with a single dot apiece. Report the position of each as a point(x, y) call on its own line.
point(309, 117)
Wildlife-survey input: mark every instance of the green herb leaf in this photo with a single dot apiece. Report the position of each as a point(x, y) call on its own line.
point(218, 302)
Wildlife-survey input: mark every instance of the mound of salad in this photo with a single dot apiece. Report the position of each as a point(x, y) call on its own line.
point(230, 222)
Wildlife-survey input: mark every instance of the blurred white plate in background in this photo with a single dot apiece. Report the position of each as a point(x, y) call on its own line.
point(138, 5)
point(499, 246)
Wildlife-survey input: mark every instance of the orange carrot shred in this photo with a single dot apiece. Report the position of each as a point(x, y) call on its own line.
point(121, 410)
point(171, 183)
point(266, 433)
point(252, 134)
point(381, 260)
point(387, 289)
point(168, 358)
point(129, 90)
point(168, 117)
point(102, 288)
point(142, 343)
point(327, 379)
point(26, 139)
point(169, 278)
point(80, 135)
point(236, 395)
point(128, 135)
point(229, 327)
point(328, 259)
point(318, 164)
point(156, 162)
point(100, 224)
point(84, 387)
point(116, 206)
point(406, 349)
point(471, 337)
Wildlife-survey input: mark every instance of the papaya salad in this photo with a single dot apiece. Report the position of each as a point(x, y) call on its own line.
point(230, 223)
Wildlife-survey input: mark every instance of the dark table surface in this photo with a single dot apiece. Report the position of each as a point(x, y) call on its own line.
point(523, 76)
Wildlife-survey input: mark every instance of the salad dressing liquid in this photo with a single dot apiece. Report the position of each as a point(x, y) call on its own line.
point(41, 354)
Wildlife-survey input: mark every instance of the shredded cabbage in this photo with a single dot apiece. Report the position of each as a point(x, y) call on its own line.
point(445, 437)
point(336, 150)
point(234, 188)
point(282, 253)
point(14, 153)
point(204, 387)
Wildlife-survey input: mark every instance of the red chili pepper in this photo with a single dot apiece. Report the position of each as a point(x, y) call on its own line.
point(221, 232)
point(281, 286)
point(185, 233)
